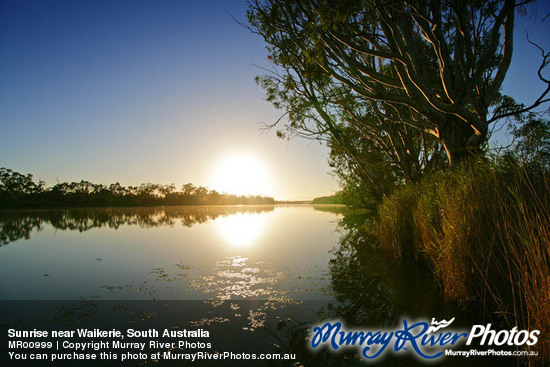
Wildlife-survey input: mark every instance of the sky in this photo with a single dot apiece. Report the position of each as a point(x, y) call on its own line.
point(160, 91)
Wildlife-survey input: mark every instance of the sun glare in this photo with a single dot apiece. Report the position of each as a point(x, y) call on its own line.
point(242, 229)
point(241, 174)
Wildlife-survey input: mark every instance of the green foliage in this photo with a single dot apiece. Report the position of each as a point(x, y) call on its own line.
point(356, 195)
point(399, 90)
point(333, 199)
point(14, 185)
point(373, 138)
point(532, 136)
point(383, 68)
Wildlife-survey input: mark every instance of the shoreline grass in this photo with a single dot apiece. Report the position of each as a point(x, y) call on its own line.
point(484, 230)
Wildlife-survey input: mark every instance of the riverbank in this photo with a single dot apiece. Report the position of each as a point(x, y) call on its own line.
point(484, 231)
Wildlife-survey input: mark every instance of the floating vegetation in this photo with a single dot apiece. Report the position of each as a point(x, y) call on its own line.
point(162, 275)
point(217, 303)
point(118, 307)
point(146, 290)
point(208, 321)
point(74, 314)
point(256, 320)
point(113, 288)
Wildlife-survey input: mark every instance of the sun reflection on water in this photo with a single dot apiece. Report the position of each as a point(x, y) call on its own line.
point(241, 229)
point(238, 277)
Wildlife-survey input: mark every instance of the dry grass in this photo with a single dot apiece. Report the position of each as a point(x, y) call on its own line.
point(484, 229)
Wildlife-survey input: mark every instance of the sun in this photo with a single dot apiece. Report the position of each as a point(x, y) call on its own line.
point(241, 174)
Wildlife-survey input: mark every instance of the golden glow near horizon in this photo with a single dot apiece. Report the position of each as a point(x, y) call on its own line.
point(241, 174)
point(241, 229)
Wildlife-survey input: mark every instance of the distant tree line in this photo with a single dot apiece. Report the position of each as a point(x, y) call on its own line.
point(19, 190)
point(332, 199)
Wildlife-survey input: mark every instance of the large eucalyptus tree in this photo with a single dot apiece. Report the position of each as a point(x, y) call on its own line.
point(398, 73)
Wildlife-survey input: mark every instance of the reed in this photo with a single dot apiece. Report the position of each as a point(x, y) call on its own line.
point(484, 230)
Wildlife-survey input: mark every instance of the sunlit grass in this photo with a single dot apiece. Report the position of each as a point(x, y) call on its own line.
point(484, 229)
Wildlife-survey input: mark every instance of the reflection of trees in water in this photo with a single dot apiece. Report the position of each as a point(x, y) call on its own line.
point(372, 288)
point(356, 281)
point(18, 224)
point(371, 291)
point(13, 228)
point(336, 209)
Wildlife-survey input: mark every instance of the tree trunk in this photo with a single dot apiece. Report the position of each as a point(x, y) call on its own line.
point(457, 136)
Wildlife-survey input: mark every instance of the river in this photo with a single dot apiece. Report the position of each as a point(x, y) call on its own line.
point(256, 278)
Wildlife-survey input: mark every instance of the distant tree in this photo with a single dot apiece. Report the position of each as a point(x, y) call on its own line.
point(15, 186)
point(532, 140)
point(215, 198)
point(332, 199)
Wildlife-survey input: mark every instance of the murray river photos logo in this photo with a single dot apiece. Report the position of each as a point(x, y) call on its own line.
point(425, 340)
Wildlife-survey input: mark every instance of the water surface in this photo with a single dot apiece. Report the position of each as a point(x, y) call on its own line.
point(259, 277)
point(180, 253)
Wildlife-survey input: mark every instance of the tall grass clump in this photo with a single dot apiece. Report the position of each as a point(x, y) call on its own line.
point(395, 229)
point(484, 230)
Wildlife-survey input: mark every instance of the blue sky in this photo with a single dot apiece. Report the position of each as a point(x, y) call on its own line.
point(156, 91)
point(521, 80)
